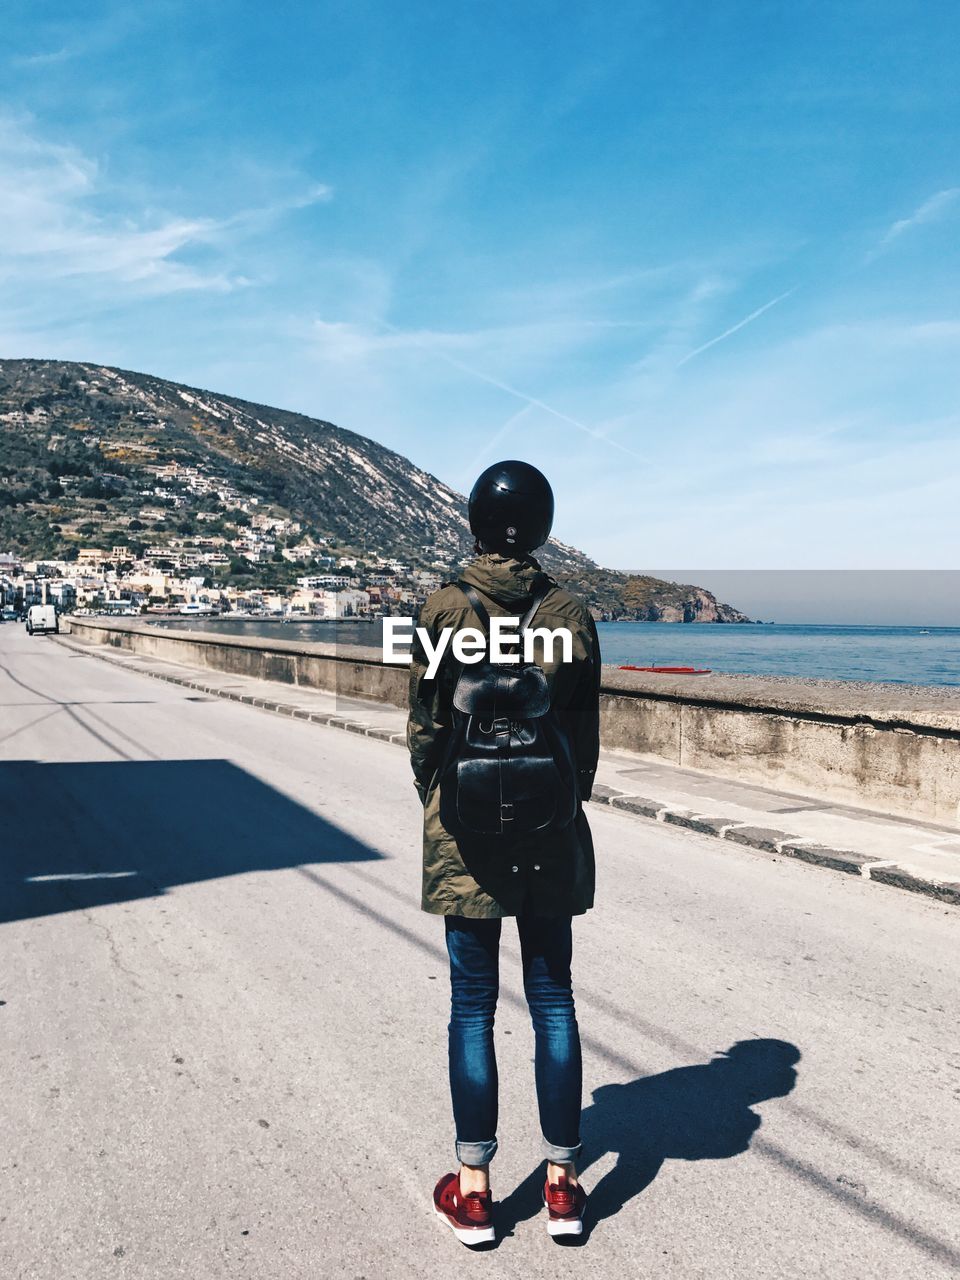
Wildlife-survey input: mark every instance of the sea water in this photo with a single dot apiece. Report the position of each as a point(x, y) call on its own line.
point(902, 655)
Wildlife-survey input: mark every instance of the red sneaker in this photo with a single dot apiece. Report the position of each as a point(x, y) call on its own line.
point(565, 1205)
point(469, 1217)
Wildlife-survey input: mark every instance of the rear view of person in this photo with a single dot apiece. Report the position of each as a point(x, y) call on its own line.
point(503, 757)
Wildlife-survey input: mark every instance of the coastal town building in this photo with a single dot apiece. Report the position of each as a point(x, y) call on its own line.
point(184, 573)
point(319, 580)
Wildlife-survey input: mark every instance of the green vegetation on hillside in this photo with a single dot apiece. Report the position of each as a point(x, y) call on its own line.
point(102, 458)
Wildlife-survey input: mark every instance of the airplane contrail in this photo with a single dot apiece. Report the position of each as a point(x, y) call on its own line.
point(735, 328)
point(512, 391)
point(469, 471)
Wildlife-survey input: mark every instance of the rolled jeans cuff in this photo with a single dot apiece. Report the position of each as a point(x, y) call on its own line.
point(561, 1155)
point(476, 1153)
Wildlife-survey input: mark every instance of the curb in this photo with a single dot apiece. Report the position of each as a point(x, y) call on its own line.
point(763, 839)
point(767, 840)
point(328, 718)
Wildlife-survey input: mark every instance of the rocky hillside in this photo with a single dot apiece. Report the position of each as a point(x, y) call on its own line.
point(91, 455)
point(641, 598)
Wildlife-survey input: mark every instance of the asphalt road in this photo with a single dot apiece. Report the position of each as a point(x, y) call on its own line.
point(223, 1023)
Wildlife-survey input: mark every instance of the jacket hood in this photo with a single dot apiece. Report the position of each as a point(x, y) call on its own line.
point(508, 579)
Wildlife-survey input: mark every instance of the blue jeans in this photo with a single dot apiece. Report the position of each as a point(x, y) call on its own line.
point(474, 950)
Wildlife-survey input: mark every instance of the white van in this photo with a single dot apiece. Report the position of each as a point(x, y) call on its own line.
point(42, 618)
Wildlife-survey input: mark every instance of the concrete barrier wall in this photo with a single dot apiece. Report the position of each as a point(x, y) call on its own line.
point(349, 670)
point(889, 747)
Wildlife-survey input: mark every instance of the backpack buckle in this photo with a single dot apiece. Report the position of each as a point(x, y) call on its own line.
point(506, 816)
point(500, 725)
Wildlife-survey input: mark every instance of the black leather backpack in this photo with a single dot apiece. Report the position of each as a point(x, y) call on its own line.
point(508, 769)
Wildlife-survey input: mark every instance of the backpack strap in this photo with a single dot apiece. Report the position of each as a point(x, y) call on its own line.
point(476, 604)
point(480, 609)
point(538, 600)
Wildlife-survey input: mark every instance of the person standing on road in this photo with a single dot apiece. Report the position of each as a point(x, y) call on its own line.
point(542, 877)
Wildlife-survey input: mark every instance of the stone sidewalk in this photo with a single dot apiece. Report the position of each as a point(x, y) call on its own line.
point(918, 856)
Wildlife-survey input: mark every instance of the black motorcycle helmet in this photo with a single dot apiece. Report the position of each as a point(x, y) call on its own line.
point(511, 508)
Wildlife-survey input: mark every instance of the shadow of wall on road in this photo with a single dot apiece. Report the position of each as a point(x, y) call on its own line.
point(703, 1112)
point(82, 835)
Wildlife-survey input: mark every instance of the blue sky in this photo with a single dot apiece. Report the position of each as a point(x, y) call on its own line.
point(698, 262)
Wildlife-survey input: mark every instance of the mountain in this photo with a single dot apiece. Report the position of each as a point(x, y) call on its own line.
point(98, 456)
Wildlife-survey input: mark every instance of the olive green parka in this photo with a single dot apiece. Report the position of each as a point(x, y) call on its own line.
point(549, 873)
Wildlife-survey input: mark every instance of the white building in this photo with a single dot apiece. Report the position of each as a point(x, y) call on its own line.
point(344, 604)
point(315, 582)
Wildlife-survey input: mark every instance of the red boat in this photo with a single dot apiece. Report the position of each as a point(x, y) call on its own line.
point(670, 671)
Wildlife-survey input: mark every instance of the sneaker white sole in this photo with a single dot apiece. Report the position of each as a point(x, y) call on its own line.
point(565, 1227)
point(467, 1235)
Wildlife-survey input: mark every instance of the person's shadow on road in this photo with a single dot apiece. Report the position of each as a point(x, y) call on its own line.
point(688, 1113)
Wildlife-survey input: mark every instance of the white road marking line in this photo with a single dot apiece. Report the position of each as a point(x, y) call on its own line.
point(80, 875)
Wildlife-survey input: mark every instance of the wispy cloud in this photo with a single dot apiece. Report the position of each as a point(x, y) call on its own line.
point(354, 341)
point(316, 193)
point(735, 328)
point(523, 343)
point(61, 221)
point(678, 318)
point(79, 35)
point(931, 210)
point(47, 59)
point(536, 403)
point(491, 446)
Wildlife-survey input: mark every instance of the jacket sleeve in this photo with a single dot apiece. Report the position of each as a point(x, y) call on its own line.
point(424, 723)
point(585, 712)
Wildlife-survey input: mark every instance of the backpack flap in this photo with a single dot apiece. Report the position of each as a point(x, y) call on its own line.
point(494, 689)
point(497, 798)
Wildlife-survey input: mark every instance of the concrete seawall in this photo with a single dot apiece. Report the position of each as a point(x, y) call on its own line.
point(889, 747)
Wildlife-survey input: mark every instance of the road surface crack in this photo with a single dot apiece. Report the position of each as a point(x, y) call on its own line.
point(108, 934)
